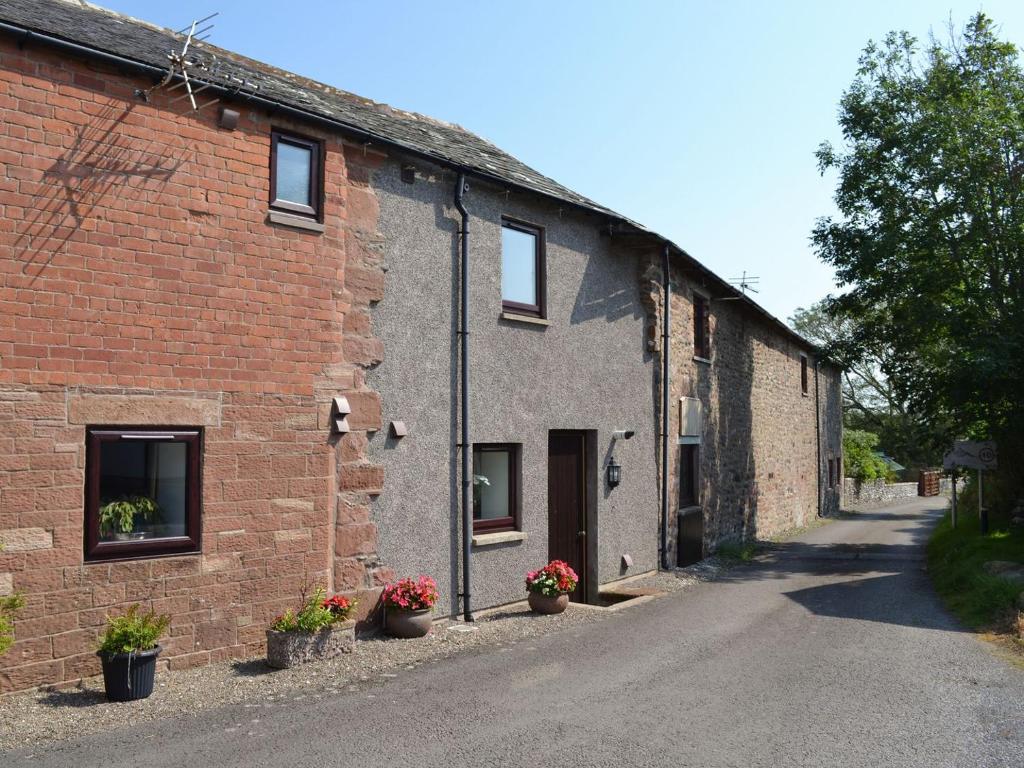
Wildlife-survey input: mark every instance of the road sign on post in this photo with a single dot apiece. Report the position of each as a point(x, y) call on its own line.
point(972, 454)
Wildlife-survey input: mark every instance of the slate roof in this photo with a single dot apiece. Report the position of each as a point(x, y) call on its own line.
point(98, 29)
point(140, 41)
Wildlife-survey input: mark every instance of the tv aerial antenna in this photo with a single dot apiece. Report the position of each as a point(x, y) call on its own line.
point(745, 283)
point(195, 71)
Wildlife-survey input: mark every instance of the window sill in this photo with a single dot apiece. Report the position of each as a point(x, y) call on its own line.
point(689, 509)
point(806, 394)
point(516, 318)
point(291, 220)
point(700, 359)
point(501, 537)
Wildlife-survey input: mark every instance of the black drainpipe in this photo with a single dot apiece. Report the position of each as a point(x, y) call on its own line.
point(817, 428)
point(467, 479)
point(666, 317)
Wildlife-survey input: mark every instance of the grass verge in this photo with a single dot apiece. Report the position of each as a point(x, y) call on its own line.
point(984, 602)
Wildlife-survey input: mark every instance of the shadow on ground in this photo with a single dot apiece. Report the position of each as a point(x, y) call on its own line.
point(874, 580)
point(73, 697)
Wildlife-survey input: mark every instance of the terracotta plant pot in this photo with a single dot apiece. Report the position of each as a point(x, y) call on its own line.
point(406, 624)
point(543, 604)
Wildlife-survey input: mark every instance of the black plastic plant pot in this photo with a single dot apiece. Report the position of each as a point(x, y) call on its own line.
point(129, 676)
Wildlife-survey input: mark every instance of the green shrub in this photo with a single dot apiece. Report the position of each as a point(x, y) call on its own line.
point(313, 615)
point(859, 459)
point(9, 606)
point(133, 631)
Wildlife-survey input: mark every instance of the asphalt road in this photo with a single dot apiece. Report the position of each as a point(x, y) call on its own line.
point(830, 651)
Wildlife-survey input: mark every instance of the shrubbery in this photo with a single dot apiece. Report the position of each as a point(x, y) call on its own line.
point(859, 459)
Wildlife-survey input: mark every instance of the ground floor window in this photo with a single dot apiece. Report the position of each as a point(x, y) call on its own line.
point(142, 494)
point(495, 487)
point(689, 475)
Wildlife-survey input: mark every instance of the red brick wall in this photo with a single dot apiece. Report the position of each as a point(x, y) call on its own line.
point(141, 283)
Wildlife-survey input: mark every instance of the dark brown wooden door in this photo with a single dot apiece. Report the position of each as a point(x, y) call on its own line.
point(567, 504)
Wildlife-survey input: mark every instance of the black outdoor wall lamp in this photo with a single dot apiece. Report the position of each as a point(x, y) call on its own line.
point(614, 473)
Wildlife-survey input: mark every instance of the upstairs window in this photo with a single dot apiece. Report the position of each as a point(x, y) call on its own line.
point(803, 374)
point(142, 492)
point(495, 487)
point(295, 174)
point(522, 269)
point(701, 327)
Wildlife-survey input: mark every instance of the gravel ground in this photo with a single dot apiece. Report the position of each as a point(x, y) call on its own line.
point(55, 714)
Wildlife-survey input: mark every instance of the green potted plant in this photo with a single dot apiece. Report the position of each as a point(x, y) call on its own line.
point(321, 629)
point(408, 605)
point(128, 651)
point(118, 518)
point(550, 586)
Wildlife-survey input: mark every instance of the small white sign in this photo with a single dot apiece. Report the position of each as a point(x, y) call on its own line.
point(689, 417)
point(971, 454)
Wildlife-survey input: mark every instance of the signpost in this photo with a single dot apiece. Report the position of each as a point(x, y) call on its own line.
point(972, 454)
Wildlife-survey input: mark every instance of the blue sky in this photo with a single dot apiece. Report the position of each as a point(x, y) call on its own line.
point(698, 119)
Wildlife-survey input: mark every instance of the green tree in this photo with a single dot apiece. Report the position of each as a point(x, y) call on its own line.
point(859, 459)
point(930, 239)
point(872, 400)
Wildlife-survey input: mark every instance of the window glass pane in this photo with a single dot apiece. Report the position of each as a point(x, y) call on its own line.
point(518, 266)
point(491, 484)
point(142, 490)
point(294, 165)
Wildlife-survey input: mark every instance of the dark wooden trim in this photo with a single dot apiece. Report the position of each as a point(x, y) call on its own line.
point(540, 256)
point(316, 174)
point(701, 326)
point(110, 550)
point(689, 464)
point(586, 591)
point(510, 523)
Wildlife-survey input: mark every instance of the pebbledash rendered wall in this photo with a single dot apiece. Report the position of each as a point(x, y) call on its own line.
point(141, 283)
point(587, 370)
point(759, 468)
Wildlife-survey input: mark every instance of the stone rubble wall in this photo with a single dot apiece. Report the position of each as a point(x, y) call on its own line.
point(877, 493)
point(759, 469)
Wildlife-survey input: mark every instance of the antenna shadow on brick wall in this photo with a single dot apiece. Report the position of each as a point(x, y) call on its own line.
point(107, 163)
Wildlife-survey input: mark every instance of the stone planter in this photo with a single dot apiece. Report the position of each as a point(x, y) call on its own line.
point(407, 624)
point(543, 604)
point(289, 649)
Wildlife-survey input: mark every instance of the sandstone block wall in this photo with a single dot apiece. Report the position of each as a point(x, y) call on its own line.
point(141, 283)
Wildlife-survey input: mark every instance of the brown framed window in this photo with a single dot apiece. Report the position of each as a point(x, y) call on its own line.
point(495, 487)
point(701, 326)
point(142, 491)
point(523, 270)
point(831, 473)
point(689, 475)
point(803, 374)
point(296, 174)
